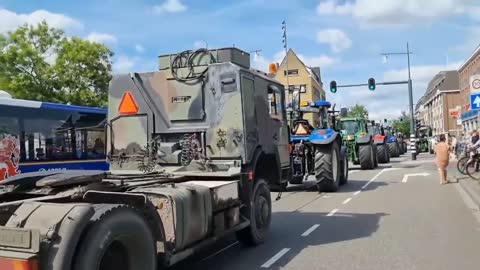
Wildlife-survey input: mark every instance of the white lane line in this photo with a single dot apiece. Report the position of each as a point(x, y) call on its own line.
point(332, 212)
point(275, 258)
point(346, 201)
point(377, 175)
point(309, 231)
point(353, 171)
point(356, 193)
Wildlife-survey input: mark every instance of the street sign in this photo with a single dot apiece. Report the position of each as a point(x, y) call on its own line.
point(454, 113)
point(475, 101)
point(475, 83)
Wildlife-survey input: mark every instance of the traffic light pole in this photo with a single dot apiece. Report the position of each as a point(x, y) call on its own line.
point(366, 84)
point(413, 136)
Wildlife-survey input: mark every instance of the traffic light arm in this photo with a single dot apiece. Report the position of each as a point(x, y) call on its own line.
point(366, 84)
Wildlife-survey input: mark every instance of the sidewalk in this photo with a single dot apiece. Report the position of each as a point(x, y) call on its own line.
point(469, 185)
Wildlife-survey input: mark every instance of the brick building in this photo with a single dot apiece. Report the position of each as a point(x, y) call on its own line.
point(468, 73)
point(441, 99)
point(302, 77)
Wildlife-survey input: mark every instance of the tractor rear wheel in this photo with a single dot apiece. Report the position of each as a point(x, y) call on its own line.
point(366, 156)
point(382, 153)
point(392, 148)
point(344, 172)
point(327, 167)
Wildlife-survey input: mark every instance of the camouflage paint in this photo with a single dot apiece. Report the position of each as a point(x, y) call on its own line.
point(228, 112)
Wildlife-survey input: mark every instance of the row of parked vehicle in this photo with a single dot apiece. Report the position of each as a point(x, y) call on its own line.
point(325, 151)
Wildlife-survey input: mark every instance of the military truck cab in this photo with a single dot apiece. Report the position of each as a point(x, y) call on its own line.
point(192, 148)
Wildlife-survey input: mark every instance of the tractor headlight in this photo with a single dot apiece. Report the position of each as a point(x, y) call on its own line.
point(350, 137)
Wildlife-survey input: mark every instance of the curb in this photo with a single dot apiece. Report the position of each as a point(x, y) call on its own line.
point(466, 185)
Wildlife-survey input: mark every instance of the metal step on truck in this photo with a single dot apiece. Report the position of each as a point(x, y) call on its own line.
point(193, 150)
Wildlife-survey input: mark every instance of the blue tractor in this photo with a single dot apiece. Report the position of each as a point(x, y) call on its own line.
point(317, 151)
point(392, 142)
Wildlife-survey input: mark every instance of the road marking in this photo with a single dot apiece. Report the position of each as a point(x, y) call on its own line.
point(377, 175)
point(275, 258)
point(405, 177)
point(353, 171)
point(309, 231)
point(332, 212)
point(356, 193)
point(467, 199)
point(346, 201)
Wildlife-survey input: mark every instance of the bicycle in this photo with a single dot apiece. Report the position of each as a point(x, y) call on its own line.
point(462, 161)
point(473, 165)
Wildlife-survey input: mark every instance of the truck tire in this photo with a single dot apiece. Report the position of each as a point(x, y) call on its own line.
point(260, 215)
point(366, 156)
point(392, 149)
point(375, 156)
point(327, 167)
point(382, 153)
point(118, 238)
point(344, 174)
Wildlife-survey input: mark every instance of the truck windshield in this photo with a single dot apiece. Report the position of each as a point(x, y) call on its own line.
point(351, 127)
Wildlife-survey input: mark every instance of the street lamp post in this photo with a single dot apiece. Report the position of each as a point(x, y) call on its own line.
point(410, 95)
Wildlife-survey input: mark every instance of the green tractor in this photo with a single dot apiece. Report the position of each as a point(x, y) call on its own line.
point(424, 140)
point(360, 144)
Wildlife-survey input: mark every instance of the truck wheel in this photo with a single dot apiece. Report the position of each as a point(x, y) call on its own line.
point(375, 156)
point(382, 153)
point(260, 215)
point(118, 238)
point(327, 167)
point(367, 159)
point(392, 150)
point(344, 175)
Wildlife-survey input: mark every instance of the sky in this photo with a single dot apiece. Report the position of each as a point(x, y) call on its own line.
point(343, 37)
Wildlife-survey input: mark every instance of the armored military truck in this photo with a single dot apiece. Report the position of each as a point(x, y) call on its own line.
point(193, 149)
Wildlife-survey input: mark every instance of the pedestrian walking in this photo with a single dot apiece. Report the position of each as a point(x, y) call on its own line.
point(442, 157)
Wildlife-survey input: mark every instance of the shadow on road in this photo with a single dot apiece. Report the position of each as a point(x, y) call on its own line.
point(285, 232)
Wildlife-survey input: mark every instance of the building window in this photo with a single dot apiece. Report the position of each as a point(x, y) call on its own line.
point(301, 88)
point(290, 72)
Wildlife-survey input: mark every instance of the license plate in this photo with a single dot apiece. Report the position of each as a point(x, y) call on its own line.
point(15, 238)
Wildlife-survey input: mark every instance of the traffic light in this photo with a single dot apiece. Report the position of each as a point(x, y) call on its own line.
point(333, 87)
point(371, 84)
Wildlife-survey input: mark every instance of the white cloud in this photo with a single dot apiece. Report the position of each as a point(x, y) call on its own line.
point(139, 48)
point(394, 12)
point(170, 6)
point(199, 44)
point(389, 101)
point(331, 7)
point(103, 38)
point(337, 39)
point(10, 20)
point(124, 64)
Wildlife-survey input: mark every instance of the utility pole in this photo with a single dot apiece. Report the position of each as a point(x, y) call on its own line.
point(285, 46)
point(410, 96)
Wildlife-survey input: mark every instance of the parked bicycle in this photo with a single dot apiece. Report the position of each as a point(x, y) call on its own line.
point(472, 165)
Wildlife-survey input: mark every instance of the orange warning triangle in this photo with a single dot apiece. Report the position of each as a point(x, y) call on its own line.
point(301, 130)
point(128, 104)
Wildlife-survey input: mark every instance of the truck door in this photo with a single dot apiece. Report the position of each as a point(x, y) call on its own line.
point(278, 115)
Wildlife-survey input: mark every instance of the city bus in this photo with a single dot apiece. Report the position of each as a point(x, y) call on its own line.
point(42, 136)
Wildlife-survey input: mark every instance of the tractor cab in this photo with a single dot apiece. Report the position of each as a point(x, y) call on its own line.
point(302, 127)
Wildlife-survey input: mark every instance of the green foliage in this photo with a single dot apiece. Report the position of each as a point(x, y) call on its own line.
point(41, 63)
point(402, 124)
point(358, 111)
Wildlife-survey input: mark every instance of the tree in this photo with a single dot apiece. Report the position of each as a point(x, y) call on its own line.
point(402, 124)
point(41, 63)
point(358, 111)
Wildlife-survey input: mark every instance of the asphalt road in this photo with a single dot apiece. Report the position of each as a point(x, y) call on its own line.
point(382, 219)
